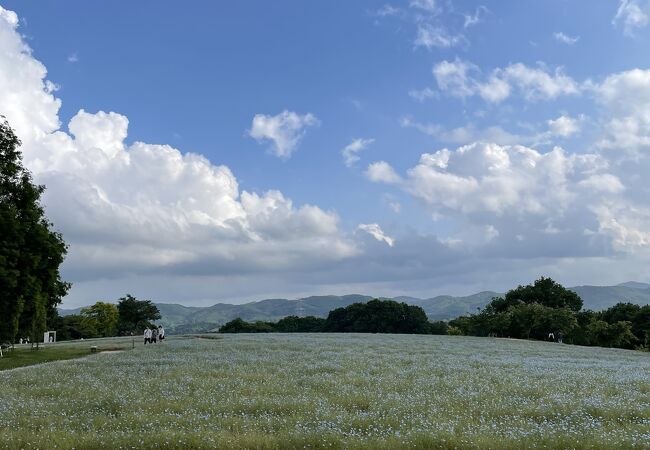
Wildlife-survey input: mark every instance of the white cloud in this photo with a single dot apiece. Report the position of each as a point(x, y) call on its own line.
point(381, 171)
point(626, 97)
point(632, 14)
point(474, 19)
point(537, 83)
point(495, 193)
point(454, 77)
point(423, 94)
point(430, 35)
point(459, 79)
point(564, 126)
point(628, 228)
point(468, 133)
point(375, 231)
point(138, 209)
point(387, 10)
point(351, 151)
point(392, 203)
point(425, 5)
point(285, 130)
point(35, 115)
point(73, 58)
point(565, 38)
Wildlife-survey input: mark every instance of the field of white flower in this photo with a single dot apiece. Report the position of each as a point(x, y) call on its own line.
point(333, 391)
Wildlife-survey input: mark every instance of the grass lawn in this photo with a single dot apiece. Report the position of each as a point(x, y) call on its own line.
point(23, 355)
point(333, 391)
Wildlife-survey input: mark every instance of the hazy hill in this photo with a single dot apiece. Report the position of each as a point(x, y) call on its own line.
point(448, 307)
point(635, 285)
point(179, 318)
point(602, 297)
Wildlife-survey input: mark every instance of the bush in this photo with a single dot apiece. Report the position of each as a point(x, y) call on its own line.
point(241, 326)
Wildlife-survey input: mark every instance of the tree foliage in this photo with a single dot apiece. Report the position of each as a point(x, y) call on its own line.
point(239, 325)
point(102, 317)
point(30, 251)
point(545, 292)
point(535, 311)
point(378, 316)
point(135, 315)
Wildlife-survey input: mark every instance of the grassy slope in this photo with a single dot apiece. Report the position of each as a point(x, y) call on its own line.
point(334, 391)
point(23, 355)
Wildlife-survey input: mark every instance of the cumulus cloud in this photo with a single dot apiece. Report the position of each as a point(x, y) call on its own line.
point(462, 79)
point(511, 198)
point(284, 130)
point(565, 38)
point(381, 171)
point(626, 97)
point(148, 209)
point(375, 231)
point(631, 15)
point(351, 151)
point(564, 126)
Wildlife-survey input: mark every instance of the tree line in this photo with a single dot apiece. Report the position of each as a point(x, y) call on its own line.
point(375, 316)
point(545, 307)
point(126, 318)
point(537, 311)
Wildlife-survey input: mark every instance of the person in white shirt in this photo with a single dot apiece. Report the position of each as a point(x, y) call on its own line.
point(147, 336)
point(161, 333)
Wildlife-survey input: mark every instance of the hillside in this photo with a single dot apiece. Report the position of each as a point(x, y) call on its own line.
point(602, 297)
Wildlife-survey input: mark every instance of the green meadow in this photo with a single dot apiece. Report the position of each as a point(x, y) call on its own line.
point(331, 391)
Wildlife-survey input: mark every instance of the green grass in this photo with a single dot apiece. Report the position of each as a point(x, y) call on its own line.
point(333, 391)
point(23, 355)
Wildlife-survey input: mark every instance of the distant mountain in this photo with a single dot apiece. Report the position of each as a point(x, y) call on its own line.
point(446, 307)
point(69, 312)
point(174, 314)
point(635, 285)
point(268, 310)
point(602, 297)
point(187, 319)
point(177, 317)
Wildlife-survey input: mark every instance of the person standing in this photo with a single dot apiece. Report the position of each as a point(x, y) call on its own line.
point(147, 336)
point(154, 335)
point(161, 333)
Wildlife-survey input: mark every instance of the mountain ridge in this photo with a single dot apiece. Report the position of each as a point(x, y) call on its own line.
point(187, 319)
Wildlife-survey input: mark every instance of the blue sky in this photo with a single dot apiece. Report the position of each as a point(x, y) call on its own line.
point(406, 79)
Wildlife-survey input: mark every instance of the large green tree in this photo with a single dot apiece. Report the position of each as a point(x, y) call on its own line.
point(545, 292)
point(103, 317)
point(135, 315)
point(30, 251)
